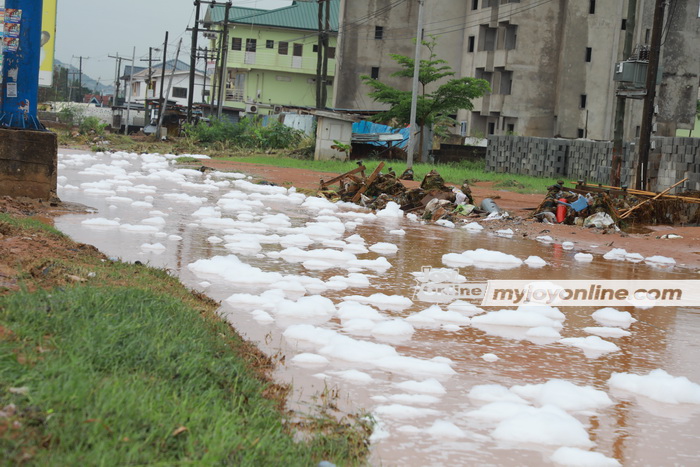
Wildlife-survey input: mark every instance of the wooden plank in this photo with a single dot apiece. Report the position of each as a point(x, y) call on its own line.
point(369, 181)
point(629, 211)
point(325, 184)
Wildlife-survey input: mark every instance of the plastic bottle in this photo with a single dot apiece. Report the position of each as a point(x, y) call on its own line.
point(561, 210)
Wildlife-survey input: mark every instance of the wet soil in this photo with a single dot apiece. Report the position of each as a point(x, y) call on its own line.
point(640, 239)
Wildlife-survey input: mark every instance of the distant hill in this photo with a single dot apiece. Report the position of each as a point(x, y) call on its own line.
point(89, 82)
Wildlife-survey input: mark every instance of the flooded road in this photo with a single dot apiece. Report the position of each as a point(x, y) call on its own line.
point(301, 276)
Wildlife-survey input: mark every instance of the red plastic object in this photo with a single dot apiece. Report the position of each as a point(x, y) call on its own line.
point(561, 211)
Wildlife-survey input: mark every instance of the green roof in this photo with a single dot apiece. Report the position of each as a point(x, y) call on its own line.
point(299, 15)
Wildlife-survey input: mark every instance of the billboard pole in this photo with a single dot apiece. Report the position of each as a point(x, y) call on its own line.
point(20, 64)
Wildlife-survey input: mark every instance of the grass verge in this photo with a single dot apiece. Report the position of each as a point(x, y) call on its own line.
point(126, 366)
point(452, 173)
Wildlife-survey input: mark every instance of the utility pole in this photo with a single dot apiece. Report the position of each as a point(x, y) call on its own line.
point(161, 103)
point(324, 71)
point(149, 82)
point(170, 84)
point(648, 112)
point(131, 91)
point(206, 58)
point(224, 60)
point(193, 61)
point(117, 80)
point(80, 78)
point(621, 100)
point(414, 95)
point(319, 55)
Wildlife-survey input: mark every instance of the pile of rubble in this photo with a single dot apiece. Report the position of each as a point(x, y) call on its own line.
point(432, 200)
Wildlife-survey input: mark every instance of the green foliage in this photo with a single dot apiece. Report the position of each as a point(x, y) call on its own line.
point(442, 100)
point(247, 134)
point(92, 125)
point(70, 115)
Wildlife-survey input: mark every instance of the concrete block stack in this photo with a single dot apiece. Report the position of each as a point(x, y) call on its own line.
point(679, 158)
point(590, 161)
point(539, 157)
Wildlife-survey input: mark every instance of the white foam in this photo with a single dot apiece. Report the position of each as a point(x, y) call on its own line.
point(481, 258)
point(520, 318)
point(583, 257)
point(546, 425)
point(428, 386)
point(354, 376)
point(391, 211)
point(158, 221)
point(490, 357)
point(384, 248)
point(232, 270)
point(535, 262)
point(473, 227)
point(593, 346)
point(310, 359)
point(494, 393)
point(100, 222)
point(383, 301)
point(153, 247)
point(400, 411)
point(612, 317)
point(507, 233)
point(394, 327)
point(397, 232)
point(607, 331)
point(634, 257)
point(568, 245)
point(658, 385)
point(660, 261)
point(565, 395)
point(445, 223)
point(574, 457)
point(616, 254)
point(435, 315)
point(444, 429)
point(545, 239)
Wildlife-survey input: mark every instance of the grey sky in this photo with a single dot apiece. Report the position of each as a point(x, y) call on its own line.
point(98, 28)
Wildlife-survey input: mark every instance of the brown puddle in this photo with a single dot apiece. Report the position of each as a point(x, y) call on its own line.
point(635, 432)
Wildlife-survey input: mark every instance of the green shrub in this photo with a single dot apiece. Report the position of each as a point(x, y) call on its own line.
point(246, 134)
point(92, 125)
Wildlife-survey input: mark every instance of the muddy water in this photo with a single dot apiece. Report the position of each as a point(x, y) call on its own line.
point(633, 431)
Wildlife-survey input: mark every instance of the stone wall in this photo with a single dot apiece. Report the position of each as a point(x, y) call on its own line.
point(28, 163)
point(670, 160)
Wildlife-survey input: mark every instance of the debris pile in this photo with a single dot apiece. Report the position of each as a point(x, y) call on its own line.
point(432, 200)
point(604, 206)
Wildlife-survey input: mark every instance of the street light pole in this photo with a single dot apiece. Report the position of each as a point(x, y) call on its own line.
point(414, 91)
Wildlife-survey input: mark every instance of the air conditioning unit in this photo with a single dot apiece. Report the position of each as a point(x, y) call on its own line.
point(277, 109)
point(251, 108)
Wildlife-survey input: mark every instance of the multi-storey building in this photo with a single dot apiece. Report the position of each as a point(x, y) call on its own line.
point(550, 62)
point(272, 55)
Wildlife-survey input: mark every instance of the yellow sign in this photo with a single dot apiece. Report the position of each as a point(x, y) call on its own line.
point(48, 41)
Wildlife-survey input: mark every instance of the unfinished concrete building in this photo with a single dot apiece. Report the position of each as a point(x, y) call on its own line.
point(550, 62)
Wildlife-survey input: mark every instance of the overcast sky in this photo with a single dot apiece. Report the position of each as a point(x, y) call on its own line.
point(98, 28)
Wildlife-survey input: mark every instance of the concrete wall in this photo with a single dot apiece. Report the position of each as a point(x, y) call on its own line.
point(672, 159)
point(28, 163)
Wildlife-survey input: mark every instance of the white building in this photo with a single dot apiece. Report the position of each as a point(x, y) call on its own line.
point(140, 90)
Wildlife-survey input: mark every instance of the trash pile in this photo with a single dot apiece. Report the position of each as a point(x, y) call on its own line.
point(432, 200)
point(561, 206)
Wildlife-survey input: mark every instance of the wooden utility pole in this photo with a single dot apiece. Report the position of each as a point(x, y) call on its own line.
point(170, 84)
point(414, 96)
point(193, 60)
point(621, 100)
point(224, 61)
point(117, 80)
point(131, 90)
point(161, 102)
point(324, 71)
point(648, 112)
point(319, 55)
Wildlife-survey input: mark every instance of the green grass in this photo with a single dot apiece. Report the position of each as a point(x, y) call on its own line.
point(28, 224)
point(452, 173)
point(112, 374)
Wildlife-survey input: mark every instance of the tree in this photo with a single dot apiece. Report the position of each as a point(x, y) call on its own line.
point(445, 99)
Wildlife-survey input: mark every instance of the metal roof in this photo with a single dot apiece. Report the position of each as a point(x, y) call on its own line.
point(299, 15)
